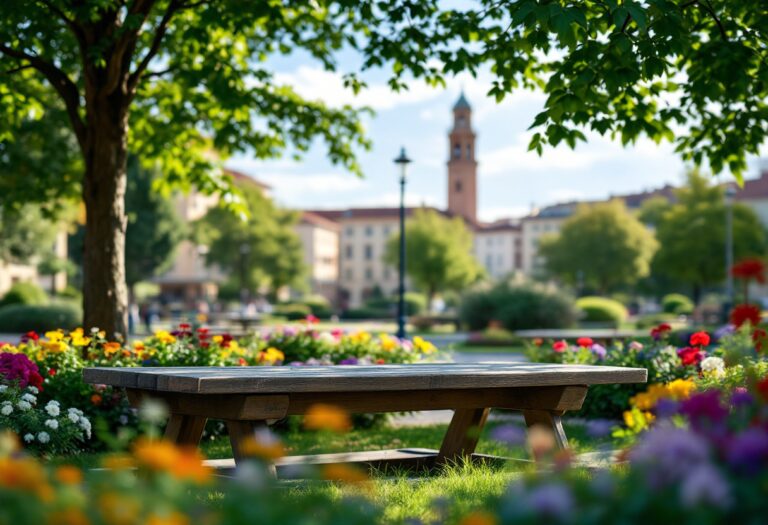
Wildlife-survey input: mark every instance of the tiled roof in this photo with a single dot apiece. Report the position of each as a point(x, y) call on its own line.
point(239, 176)
point(754, 189)
point(308, 217)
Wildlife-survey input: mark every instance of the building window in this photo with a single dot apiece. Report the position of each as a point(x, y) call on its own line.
point(368, 231)
point(368, 252)
point(489, 262)
point(387, 273)
point(469, 151)
point(348, 252)
point(457, 151)
point(349, 231)
point(386, 230)
point(457, 186)
point(349, 274)
point(368, 273)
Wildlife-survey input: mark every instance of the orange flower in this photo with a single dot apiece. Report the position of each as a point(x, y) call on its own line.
point(479, 518)
point(111, 348)
point(327, 417)
point(96, 399)
point(117, 509)
point(255, 448)
point(184, 463)
point(345, 473)
point(118, 462)
point(68, 516)
point(69, 475)
point(172, 518)
point(26, 475)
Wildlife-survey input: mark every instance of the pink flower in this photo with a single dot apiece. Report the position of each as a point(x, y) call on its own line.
point(18, 367)
point(560, 346)
point(700, 339)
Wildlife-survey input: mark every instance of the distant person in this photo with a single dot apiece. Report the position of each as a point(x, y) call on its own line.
point(133, 318)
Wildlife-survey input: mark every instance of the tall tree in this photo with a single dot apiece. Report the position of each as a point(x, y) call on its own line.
point(691, 233)
point(438, 253)
point(27, 234)
point(602, 246)
point(259, 250)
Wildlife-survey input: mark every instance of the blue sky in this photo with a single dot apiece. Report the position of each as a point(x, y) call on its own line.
point(510, 179)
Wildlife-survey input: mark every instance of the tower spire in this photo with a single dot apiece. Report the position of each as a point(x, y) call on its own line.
point(462, 166)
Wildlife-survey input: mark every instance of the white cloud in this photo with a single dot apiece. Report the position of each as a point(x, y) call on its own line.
point(296, 188)
point(316, 83)
point(491, 213)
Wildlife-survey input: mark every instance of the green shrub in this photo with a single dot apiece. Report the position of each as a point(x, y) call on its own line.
point(70, 293)
point(24, 293)
point(292, 311)
point(16, 318)
point(517, 307)
point(677, 304)
point(602, 310)
point(415, 303)
point(366, 313)
point(651, 320)
point(318, 306)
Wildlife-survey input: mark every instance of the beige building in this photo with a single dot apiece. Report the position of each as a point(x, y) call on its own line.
point(320, 241)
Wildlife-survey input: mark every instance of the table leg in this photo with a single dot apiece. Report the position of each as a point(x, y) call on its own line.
point(184, 429)
point(239, 432)
point(549, 419)
point(462, 435)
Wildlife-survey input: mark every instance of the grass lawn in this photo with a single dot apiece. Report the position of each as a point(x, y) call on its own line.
point(402, 496)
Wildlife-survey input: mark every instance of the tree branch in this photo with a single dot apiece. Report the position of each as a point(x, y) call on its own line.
point(160, 32)
point(706, 6)
point(16, 69)
point(66, 89)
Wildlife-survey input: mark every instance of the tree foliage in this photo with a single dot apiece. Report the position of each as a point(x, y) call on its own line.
point(27, 234)
point(603, 246)
point(438, 253)
point(264, 241)
point(691, 233)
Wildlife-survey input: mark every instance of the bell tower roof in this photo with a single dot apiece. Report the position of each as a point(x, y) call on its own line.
point(462, 103)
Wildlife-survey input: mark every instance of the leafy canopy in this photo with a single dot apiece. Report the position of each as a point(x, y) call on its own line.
point(264, 243)
point(603, 245)
point(691, 233)
point(438, 253)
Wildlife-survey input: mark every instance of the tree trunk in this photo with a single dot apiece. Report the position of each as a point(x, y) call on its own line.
point(105, 296)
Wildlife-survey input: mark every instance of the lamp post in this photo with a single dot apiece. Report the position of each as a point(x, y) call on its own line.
point(402, 161)
point(730, 193)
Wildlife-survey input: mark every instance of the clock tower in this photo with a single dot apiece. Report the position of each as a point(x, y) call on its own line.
point(462, 166)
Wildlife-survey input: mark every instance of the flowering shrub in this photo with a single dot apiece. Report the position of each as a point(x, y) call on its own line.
point(47, 429)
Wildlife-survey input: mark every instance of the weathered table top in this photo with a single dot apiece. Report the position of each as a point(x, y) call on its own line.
point(288, 379)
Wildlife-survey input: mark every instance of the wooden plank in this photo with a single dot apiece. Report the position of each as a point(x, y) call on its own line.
point(281, 380)
point(463, 433)
point(551, 398)
point(550, 420)
point(185, 430)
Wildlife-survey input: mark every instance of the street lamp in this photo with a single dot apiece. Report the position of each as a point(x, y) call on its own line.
point(403, 162)
point(730, 193)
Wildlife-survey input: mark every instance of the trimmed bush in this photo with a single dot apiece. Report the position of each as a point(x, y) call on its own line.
point(292, 311)
point(517, 307)
point(19, 318)
point(24, 293)
point(318, 306)
point(415, 303)
point(676, 303)
point(602, 310)
point(366, 313)
point(651, 320)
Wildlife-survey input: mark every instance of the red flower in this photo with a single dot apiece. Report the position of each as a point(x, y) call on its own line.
point(762, 387)
point(690, 356)
point(749, 269)
point(32, 335)
point(311, 319)
point(380, 361)
point(185, 326)
point(205, 344)
point(560, 346)
point(744, 313)
point(242, 362)
point(538, 341)
point(759, 338)
point(584, 342)
point(51, 372)
point(659, 331)
point(700, 339)
point(96, 399)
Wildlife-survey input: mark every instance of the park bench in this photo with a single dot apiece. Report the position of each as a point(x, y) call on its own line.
point(247, 398)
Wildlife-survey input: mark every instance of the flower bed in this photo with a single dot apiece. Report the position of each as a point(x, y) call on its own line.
point(59, 358)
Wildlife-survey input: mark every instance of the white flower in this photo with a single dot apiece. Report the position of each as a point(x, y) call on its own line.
point(53, 408)
point(29, 438)
point(52, 424)
point(7, 409)
point(29, 398)
point(327, 337)
point(74, 418)
point(85, 425)
point(94, 330)
point(713, 366)
point(43, 437)
point(33, 389)
point(3, 388)
point(24, 405)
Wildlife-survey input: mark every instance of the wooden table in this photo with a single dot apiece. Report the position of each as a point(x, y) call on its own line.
point(249, 397)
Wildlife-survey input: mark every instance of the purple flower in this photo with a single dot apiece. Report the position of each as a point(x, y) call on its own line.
point(599, 351)
point(295, 363)
point(724, 330)
point(289, 331)
point(348, 361)
point(599, 428)
point(511, 435)
point(18, 367)
point(741, 397)
point(551, 500)
point(704, 485)
point(704, 410)
point(668, 453)
point(748, 451)
point(666, 408)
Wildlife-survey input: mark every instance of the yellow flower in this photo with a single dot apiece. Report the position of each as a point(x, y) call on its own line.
point(217, 339)
point(77, 338)
point(387, 343)
point(327, 417)
point(681, 389)
point(423, 346)
point(56, 346)
point(360, 337)
point(165, 337)
point(7, 348)
point(629, 419)
point(117, 509)
point(118, 462)
point(55, 335)
point(271, 355)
